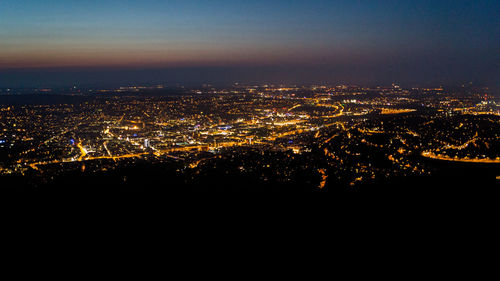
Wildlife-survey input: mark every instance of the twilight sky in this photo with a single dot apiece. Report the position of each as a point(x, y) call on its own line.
point(57, 42)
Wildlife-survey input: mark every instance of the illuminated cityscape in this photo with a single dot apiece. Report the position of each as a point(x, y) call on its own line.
point(312, 137)
point(365, 97)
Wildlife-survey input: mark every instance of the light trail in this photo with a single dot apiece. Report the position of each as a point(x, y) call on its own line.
point(295, 106)
point(83, 151)
point(105, 144)
point(324, 177)
point(432, 155)
point(464, 145)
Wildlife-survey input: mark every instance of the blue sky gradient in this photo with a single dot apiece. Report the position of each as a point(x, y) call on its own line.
point(453, 40)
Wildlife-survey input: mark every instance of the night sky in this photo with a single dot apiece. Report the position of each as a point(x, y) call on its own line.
point(104, 42)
